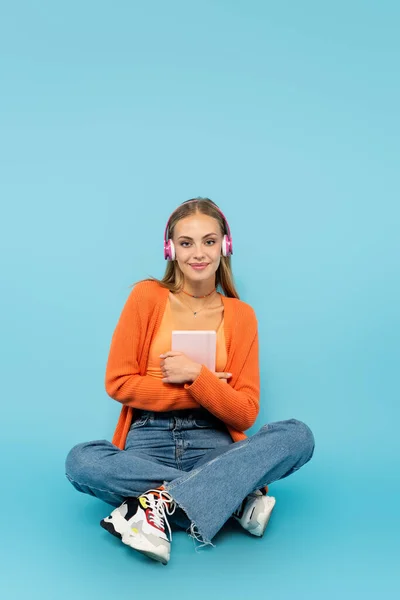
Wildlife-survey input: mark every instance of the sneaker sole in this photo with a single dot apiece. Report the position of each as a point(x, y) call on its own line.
point(139, 544)
point(108, 526)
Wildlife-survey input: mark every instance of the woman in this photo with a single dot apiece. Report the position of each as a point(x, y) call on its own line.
point(179, 452)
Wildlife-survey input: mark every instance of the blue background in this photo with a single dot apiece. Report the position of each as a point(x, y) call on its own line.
point(287, 115)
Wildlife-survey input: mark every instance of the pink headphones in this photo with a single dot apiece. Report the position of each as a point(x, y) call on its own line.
point(169, 248)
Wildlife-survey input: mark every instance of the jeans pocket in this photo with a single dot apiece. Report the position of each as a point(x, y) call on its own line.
point(202, 423)
point(140, 422)
point(208, 423)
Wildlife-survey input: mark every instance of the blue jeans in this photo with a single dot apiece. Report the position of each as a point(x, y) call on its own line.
point(191, 453)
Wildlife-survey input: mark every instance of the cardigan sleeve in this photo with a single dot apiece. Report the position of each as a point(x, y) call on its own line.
point(235, 403)
point(123, 381)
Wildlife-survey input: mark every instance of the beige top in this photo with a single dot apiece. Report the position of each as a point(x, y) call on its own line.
point(163, 340)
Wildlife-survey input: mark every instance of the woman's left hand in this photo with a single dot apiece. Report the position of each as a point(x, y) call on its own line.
point(178, 368)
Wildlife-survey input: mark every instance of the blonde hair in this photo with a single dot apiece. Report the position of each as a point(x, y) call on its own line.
point(173, 277)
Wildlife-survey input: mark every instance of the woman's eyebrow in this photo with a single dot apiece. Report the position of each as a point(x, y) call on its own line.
point(189, 238)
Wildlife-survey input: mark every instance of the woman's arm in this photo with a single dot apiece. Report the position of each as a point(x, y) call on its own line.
point(123, 381)
point(147, 393)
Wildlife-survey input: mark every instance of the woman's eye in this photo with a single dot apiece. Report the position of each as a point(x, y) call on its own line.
point(207, 242)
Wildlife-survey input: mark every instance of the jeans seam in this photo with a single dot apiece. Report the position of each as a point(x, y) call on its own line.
point(92, 487)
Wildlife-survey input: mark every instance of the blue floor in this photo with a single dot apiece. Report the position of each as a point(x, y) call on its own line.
point(330, 536)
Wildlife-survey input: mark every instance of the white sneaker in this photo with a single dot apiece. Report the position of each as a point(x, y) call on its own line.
point(254, 512)
point(117, 523)
point(146, 528)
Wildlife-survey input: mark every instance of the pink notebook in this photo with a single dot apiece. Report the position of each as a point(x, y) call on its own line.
point(200, 346)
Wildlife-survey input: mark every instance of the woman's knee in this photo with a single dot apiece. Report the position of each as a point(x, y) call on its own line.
point(303, 436)
point(77, 461)
point(296, 434)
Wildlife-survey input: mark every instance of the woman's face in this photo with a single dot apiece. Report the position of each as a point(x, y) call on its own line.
point(197, 240)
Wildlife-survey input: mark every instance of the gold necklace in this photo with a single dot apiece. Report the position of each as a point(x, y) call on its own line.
point(195, 313)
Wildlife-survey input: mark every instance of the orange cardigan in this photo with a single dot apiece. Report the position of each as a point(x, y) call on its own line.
point(235, 403)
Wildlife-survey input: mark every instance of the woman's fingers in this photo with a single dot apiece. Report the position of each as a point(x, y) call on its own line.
point(170, 353)
point(223, 375)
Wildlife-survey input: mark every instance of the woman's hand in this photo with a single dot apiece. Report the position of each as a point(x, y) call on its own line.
point(178, 368)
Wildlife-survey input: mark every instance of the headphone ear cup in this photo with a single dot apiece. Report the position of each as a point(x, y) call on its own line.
point(230, 246)
point(171, 250)
point(227, 246)
point(224, 245)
